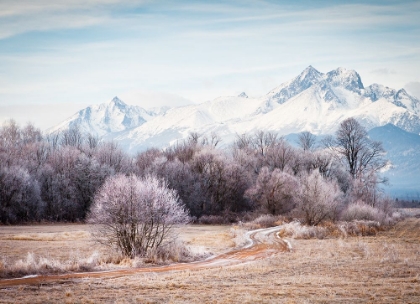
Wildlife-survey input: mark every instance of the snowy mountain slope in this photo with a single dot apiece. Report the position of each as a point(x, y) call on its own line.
point(106, 118)
point(219, 116)
point(403, 150)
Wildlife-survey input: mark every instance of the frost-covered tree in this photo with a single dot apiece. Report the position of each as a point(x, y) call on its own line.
point(279, 155)
point(274, 192)
point(222, 182)
point(306, 141)
point(144, 161)
point(360, 154)
point(72, 137)
point(110, 154)
point(186, 182)
point(319, 199)
point(19, 196)
point(135, 214)
point(363, 159)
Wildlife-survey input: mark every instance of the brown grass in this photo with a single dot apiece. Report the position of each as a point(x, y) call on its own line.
point(374, 269)
point(52, 249)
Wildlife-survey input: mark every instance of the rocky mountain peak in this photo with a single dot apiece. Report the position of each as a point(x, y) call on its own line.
point(308, 77)
point(117, 102)
point(310, 72)
point(303, 81)
point(348, 79)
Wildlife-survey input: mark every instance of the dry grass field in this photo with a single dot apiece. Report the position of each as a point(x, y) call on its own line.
point(380, 269)
point(46, 249)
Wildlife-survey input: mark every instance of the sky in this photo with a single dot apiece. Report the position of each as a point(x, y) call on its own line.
point(57, 57)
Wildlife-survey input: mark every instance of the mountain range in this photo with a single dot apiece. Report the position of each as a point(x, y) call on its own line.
point(312, 101)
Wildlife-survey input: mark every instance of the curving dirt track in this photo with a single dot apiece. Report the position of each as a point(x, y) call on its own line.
point(260, 244)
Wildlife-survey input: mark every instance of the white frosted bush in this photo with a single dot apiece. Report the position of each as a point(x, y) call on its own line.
point(298, 231)
point(264, 221)
point(136, 214)
point(361, 211)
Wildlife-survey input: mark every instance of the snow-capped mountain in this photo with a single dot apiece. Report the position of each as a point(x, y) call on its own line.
point(107, 118)
point(312, 101)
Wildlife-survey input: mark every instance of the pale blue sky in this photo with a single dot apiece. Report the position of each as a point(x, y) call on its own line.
point(57, 57)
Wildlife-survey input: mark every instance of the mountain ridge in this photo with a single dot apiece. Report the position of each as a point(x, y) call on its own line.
point(110, 117)
point(312, 101)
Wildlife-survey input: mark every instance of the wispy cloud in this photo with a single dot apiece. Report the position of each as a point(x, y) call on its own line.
point(10, 8)
point(383, 71)
point(93, 50)
point(17, 17)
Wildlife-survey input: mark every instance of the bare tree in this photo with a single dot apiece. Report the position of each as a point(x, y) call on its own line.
point(243, 142)
point(361, 155)
point(182, 151)
point(53, 140)
point(263, 141)
point(212, 141)
point(136, 215)
point(307, 141)
point(279, 154)
point(193, 138)
point(72, 137)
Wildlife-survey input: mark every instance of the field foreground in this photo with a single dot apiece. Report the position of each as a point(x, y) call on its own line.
point(381, 269)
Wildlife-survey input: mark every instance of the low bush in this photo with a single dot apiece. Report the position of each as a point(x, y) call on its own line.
point(265, 221)
point(364, 212)
point(175, 251)
point(33, 265)
point(213, 220)
point(239, 236)
point(360, 228)
point(329, 229)
point(298, 231)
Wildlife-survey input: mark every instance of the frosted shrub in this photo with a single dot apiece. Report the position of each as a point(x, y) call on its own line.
point(359, 228)
point(298, 231)
point(265, 221)
point(33, 265)
point(361, 211)
point(135, 215)
point(239, 236)
point(319, 199)
point(175, 251)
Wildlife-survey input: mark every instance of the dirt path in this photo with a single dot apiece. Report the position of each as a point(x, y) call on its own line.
point(260, 243)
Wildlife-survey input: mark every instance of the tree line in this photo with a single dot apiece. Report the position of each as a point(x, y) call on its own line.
point(56, 177)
